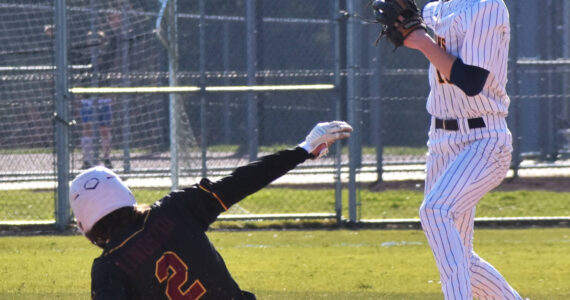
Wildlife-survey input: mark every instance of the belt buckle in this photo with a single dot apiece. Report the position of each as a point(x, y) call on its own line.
point(443, 124)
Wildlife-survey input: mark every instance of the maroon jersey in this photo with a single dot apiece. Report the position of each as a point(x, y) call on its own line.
point(167, 255)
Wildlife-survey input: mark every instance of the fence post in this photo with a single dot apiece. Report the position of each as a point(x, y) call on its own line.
point(251, 45)
point(203, 110)
point(61, 125)
point(125, 69)
point(351, 90)
point(549, 109)
point(173, 106)
point(226, 46)
point(375, 88)
point(337, 19)
point(566, 56)
point(93, 39)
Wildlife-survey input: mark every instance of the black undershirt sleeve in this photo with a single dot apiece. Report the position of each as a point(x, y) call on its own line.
point(206, 200)
point(470, 79)
point(254, 176)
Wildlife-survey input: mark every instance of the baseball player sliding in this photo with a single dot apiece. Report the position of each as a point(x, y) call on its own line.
point(469, 146)
point(162, 251)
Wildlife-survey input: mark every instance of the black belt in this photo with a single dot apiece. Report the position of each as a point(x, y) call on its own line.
point(454, 126)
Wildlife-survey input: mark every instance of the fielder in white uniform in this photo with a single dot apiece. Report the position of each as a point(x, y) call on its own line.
point(469, 142)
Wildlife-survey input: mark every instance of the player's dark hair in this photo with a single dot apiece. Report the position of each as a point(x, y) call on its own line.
point(104, 229)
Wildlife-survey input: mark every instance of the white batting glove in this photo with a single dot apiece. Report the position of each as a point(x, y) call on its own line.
point(323, 135)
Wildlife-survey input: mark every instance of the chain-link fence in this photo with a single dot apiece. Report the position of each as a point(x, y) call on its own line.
point(26, 106)
point(254, 77)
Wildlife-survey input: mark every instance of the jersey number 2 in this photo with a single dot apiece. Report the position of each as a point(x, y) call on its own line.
point(172, 269)
point(441, 43)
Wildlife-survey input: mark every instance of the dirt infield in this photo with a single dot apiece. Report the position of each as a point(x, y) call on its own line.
point(555, 184)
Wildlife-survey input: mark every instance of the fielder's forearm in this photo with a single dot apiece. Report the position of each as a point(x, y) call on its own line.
point(470, 79)
point(442, 60)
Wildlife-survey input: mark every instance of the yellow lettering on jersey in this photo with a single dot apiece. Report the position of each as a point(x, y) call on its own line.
point(171, 267)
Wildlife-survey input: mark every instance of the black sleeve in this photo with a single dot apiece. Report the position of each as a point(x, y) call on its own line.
point(254, 176)
point(107, 282)
point(208, 199)
point(470, 79)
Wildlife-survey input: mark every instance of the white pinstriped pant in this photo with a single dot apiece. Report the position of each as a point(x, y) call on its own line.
point(462, 166)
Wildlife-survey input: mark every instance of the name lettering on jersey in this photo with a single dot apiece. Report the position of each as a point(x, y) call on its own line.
point(441, 78)
point(171, 267)
point(145, 245)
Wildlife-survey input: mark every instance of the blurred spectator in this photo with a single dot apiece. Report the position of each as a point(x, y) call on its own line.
point(99, 50)
point(99, 111)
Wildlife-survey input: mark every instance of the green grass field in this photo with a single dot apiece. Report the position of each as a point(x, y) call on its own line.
point(316, 264)
point(38, 205)
point(322, 264)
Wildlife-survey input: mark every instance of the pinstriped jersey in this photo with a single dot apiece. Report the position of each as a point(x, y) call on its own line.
point(478, 32)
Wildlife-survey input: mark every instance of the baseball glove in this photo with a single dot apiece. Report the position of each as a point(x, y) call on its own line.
point(399, 18)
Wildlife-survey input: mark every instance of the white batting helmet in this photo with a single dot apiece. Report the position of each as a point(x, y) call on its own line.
point(95, 193)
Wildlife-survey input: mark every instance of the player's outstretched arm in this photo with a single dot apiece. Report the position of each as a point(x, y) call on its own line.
point(254, 176)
